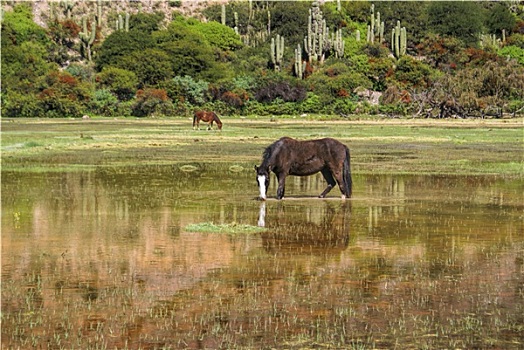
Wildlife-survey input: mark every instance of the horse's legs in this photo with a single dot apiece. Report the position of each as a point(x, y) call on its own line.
point(281, 186)
point(340, 180)
point(330, 180)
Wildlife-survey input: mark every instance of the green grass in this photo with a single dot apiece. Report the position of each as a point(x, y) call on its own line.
point(378, 145)
point(233, 228)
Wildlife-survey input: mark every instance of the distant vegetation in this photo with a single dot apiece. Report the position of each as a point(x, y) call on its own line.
point(427, 59)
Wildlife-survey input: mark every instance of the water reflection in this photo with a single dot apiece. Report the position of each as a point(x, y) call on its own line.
point(103, 259)
point(316, 227)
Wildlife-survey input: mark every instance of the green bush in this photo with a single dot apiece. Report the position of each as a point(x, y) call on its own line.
point(311, 104)
point(16, 105)
point(104, 103)
point(123, 83)
point(514, 52)
point(61, 107)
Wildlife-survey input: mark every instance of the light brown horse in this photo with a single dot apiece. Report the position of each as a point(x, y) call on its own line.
point(207, 117)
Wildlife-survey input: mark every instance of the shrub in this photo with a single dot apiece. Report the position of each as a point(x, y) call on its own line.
point(151, 102)
point(17, 105)
point(282, 90)
point(188, 89)
point(104, 103)
point(121, 82)
point(60, 107)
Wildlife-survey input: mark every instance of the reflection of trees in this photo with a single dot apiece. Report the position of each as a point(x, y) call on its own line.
point(96, 257)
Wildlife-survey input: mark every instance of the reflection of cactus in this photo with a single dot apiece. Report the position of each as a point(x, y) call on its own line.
point(399, 40)
point(277, 51)
point(88, 38)
point(376, 28)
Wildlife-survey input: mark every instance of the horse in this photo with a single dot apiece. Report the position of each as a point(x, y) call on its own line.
point(207, 117)
point(288, 156)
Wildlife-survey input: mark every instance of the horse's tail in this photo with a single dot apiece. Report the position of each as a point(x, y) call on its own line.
point(346, 175)
point(217, 120)
point(194, 119)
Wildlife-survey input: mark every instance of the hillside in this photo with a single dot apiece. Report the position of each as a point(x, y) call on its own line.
point(121, 58)
point(43, 10)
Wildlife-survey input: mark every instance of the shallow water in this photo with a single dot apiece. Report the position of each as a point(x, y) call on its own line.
point(103, 260)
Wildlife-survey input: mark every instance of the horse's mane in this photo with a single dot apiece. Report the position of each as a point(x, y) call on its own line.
point(270, 150)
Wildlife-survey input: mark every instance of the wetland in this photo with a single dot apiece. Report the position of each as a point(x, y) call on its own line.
point(99, 249)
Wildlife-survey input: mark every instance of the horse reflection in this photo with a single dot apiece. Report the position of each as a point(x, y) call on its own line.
point(304, 229)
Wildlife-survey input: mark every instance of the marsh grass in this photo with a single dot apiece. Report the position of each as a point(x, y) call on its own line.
point(377, 146)
point(232, 229)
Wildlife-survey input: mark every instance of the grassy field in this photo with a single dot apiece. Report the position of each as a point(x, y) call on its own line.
point(377, 146)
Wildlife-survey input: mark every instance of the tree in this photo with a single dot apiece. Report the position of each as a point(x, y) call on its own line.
point(151, 66)
point(146, 23)
point(454, 18)
point(18, 26)
point(121, 44)
point(499, 18)
point(189, 53)
point(121, 82)
point(476, 91)
point(219, 36)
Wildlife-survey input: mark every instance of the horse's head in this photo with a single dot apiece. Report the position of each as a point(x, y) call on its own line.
point(262, 181)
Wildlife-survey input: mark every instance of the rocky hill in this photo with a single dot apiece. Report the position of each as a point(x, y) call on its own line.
point(44, 10)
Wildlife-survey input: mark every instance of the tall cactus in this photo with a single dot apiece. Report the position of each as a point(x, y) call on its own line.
point(375, 28)
point(99, 13)
point(68, 7)
point(316, 43)
point(235, 15)
point(88, 38)
point(122, 24)
point(300, 66)
point(338, 43)
point(398, 40)
point(277, 51)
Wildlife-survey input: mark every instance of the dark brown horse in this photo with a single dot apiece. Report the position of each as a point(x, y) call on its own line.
point(207, 117)
point(302, 158)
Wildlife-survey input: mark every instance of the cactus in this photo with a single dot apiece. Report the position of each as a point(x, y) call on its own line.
point(338, 44)
point(316, 43)
point(398, 40)
point(99, 13)
point(376, 28)
point(88, 38)
point(277, 51)
point(121, 24)
point(236, 23)
point(68, 7)
point(300, 66)
point(268, 22)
